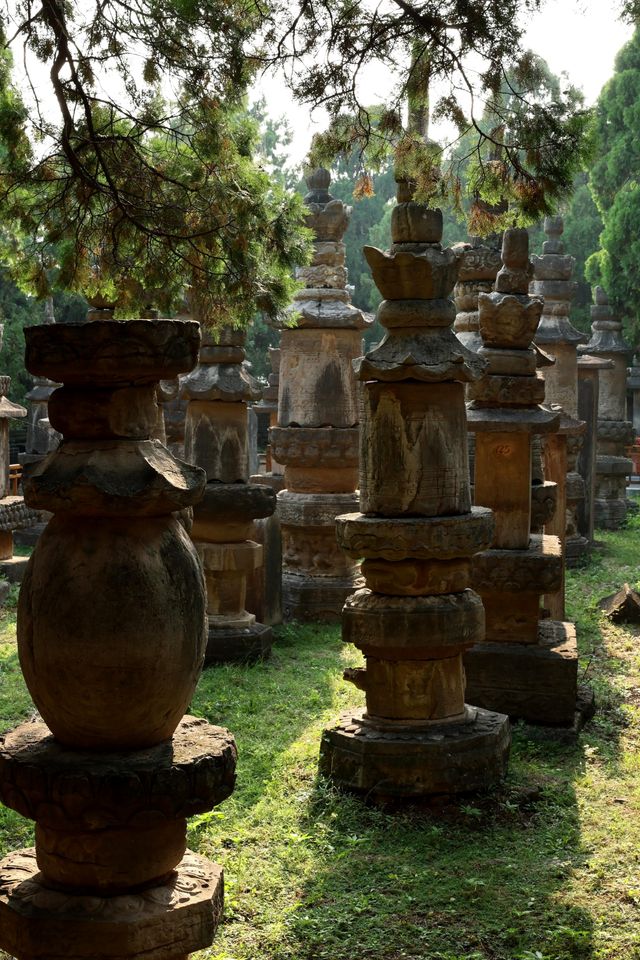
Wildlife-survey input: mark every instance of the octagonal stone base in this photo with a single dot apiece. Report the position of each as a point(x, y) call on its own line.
point(164, 922)
point(238, 644)
point(314, 599)
point(536, 682)
point(442, 759)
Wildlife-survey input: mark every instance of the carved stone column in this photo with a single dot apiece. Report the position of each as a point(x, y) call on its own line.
point(317, 434)
point(223, 522)
point(615, 432)
point(417, 533)
point(112, 771)
point(524, 667)
point(559, 338)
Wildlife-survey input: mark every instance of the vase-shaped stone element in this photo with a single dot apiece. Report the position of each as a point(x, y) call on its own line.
point(615, 431)
point(417, 533)
point(559, 339)
point(525, 666)
point(216, 439)
point(317, 434)
point(111, 637)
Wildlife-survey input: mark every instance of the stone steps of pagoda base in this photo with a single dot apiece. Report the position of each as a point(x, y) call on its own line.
point(535, 682)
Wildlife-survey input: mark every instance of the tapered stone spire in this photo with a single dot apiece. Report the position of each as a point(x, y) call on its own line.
point(417, 533)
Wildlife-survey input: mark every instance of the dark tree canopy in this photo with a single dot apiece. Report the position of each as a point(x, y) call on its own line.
point(151, 185)
point(133, 174)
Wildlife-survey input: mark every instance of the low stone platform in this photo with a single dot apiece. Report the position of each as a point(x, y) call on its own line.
point(239, 645)
point(536, 682)
point(404, 763)
point(315, 599)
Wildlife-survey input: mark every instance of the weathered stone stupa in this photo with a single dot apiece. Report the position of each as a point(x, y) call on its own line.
point(589, 369)
point(216, 439)
point(417, 533)
point(559, 338)
point(615, 432)
point(524, 667)
point(317, 434)
point(112, 771)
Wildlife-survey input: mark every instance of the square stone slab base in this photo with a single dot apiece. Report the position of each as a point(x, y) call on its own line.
point(439, 760)
point(535, 682)
point(164, 922)
point(314, 599)
point(239, 645)
point(14, 568)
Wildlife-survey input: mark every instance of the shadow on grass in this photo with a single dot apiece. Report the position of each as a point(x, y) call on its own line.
point(480, 879)
point(267, 705)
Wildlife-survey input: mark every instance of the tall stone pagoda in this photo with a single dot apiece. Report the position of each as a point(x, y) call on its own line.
point(559, 338)
point(417, 533)
point(525, 666)
point(317, 434)
point(41, 439)
point(113, 769)
point(216, 439)
point(615, 432)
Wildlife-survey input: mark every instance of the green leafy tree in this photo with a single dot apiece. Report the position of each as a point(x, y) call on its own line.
point(615, 185)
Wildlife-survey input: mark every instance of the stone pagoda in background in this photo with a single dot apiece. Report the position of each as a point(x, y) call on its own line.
point(216, 439)
point(41, 439)
point(317, 434)
point(417, 533)
point(615, 432)
point(525, 666)
point(111, 638)
point(559, 338)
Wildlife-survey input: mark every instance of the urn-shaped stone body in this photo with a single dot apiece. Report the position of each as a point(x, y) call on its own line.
point(124, 670)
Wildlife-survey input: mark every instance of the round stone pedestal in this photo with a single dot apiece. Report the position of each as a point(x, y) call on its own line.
point(164, 922)
point(401, 762)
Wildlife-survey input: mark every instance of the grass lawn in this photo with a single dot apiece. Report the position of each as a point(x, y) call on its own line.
point(547, 868)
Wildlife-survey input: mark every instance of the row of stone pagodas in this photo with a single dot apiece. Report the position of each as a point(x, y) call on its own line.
point(216, 439)
point(417, 533)
point(318, 413)
point(615, 432)
point(113, 769)
point(524, 666)
point(559, 339)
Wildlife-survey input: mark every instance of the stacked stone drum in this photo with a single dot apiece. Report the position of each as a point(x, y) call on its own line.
point(615, 432)
point(417, 533)
point(317, 434)
point(216, 439)
point(111, 636)
point(525, 666)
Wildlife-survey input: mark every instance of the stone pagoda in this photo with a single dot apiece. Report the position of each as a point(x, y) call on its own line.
point(417, 533)
point(615, 432)
point(216, 439)
point(317, 434)
point(112, 769)
point(41, 439)
point(559, 338)
point(525, 666)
